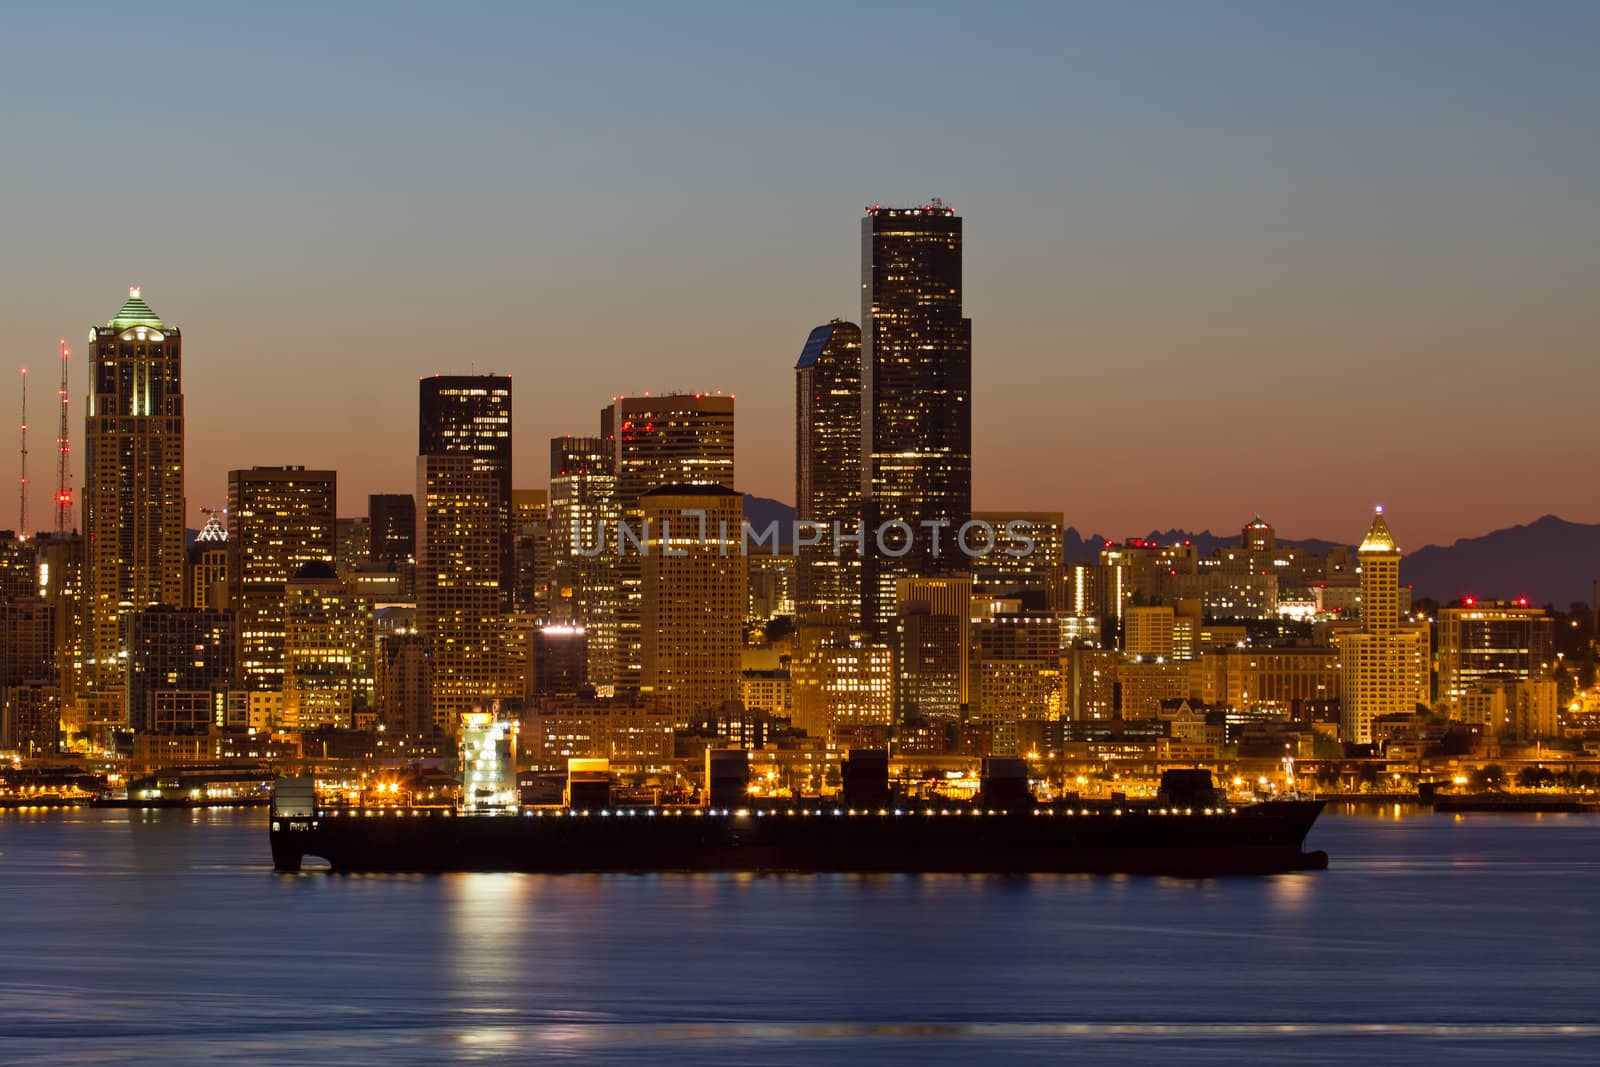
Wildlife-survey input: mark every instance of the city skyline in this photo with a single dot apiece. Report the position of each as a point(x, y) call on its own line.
point(1132, 283)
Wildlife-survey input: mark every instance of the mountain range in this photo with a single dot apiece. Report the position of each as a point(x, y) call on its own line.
point(1549, 560)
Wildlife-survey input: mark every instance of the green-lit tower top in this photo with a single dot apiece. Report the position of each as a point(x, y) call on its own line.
point(135, 313)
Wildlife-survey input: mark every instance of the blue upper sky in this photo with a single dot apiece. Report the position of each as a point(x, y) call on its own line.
point(1221, 258)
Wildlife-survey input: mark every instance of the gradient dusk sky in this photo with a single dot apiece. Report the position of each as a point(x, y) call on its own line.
point(1221, 258)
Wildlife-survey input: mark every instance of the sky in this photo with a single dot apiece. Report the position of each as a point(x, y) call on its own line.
point(1221, 258)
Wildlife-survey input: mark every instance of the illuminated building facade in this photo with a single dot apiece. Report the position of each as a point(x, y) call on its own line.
point(583, 516)
point(677, 439)
point(828, 465)
point(328, 651)
point(1148, 632)
point(1016, 674)
point(693, 598)
point(30, 719)
point(488, 757)
point(470, 415)
point(205, 575)
point(1379, 661)
point(1482, 640)
point(930, 662)
point(916, 392)
point(857, 684)
point(133, 503)
point(458, 584)
point(279, 519)
point(1026, 554)
point(633, 732)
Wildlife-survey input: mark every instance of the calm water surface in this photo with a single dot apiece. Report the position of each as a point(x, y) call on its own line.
point(165, 938)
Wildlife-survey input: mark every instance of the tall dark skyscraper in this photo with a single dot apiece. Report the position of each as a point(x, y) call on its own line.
point(827, 468)
point(132, 490)
point(393, 520)
point(916, 396)
point(470, 415)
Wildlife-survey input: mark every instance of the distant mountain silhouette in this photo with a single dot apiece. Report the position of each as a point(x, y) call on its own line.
point(1549, 561)
point(761, 510)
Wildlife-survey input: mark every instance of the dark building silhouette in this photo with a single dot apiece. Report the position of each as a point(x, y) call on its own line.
point(916, 392)
point(393, 519)
point(828, 465)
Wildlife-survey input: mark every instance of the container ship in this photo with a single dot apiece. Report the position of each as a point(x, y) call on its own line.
point(1190, 829)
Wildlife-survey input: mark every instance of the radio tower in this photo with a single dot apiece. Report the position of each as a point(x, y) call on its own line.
point(22, 483)
point(63, 447)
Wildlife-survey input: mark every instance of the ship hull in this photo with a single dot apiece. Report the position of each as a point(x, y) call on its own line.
point(1258, 839)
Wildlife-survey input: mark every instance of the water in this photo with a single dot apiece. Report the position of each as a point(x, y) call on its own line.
point(165, 938)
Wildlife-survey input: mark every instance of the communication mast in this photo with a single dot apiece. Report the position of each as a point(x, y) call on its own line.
point(22, 482)
point(63, 447)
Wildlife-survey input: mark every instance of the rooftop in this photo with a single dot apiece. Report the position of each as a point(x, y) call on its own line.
point(135, 312)
point(1379, 539)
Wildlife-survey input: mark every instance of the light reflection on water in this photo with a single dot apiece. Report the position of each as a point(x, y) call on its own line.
point(164, 938)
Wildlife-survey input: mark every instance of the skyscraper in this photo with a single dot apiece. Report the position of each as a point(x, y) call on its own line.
point(470, 415)
point(678, 439)
point(132, 489)
point(693, 598)
point(279, 519)
point(583, 516)
point(458, 584)
point(827, 465)
point(328, 652)
point(1378, 662)
point(916, 396)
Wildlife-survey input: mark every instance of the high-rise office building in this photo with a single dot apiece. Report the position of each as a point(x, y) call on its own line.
point(279, 519)
point(328, 652)
point(1484, 640)
point(657, 441)
point(180, 661)
point(692, 598)
point(133, 504)
point(916, 395)
point(827, 465)
point(1378, 662)
point(458, 584)
point(470, 415)
point(583, 519)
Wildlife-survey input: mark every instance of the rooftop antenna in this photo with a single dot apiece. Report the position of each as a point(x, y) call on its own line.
point(22, 482)
point(63, 447)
